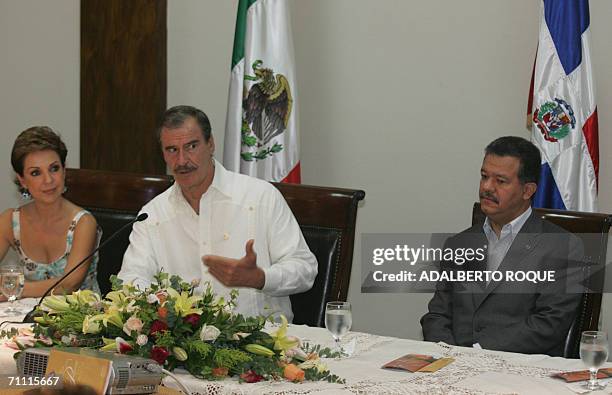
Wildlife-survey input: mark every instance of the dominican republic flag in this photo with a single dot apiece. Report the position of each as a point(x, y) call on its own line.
point(562, 109)
point(261, 133)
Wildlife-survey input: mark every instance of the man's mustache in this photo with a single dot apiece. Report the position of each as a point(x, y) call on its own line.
point(184, 168)
point(488, 195)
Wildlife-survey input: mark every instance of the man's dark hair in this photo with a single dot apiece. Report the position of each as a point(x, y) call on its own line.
point(175, 116)
point(517, 147)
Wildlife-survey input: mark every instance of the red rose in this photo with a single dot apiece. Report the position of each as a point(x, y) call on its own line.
point(157, 326)
point(159, 354)
point(192, 319)
point(251, 377)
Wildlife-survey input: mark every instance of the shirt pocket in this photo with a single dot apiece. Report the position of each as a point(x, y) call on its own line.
point(232, 226)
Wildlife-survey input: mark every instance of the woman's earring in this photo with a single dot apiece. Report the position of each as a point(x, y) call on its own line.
point(25, 195)
point(65, 189)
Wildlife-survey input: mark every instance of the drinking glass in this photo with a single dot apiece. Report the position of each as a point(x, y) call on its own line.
point(593, 352)
point(11, 286)
point(338, 320)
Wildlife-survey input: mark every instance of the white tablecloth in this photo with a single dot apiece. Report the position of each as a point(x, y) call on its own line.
point(473, 372)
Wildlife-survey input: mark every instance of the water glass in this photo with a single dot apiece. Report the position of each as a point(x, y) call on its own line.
point(12, 281)
point(338, 320)
point(593, 352)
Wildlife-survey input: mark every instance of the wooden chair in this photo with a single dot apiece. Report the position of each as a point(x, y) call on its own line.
point(593, 229)
point(326, 216)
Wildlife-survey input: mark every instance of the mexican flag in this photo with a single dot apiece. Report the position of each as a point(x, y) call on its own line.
point(261, 132)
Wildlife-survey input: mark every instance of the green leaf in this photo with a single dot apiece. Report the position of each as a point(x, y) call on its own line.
point(198, 347)
point(263, 154)
point(177, 283)
point(116, 282)
point(161, 277)
point(172, 317)
point(229, 358)
point(164, 339)
point(312, 374)
point(249, 141)
point(247, 156)
point(322, 352)
point(266, 367)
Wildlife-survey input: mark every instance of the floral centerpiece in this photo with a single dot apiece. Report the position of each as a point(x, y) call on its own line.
point(171, 324)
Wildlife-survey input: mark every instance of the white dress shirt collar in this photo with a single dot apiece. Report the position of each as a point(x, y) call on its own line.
point(220, 183)
point(511, 228)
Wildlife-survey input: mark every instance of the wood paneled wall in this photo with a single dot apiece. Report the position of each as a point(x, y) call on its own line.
point(123, 84)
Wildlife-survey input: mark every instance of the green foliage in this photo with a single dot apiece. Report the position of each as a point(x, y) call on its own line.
point(267, 367)
point(230, 357)
point(197, 348)
point(178, 284)
point(249, 141)
point(161, 278)
point(262, 338)
point(7, 334)
point(322, 352)
point(71, 322)
point(312, 374)
point(141, 309)
point(247, 156)
point(164, 339)
point(171, 318)
point(116, 282)
point(263, 154)
point(245, 129)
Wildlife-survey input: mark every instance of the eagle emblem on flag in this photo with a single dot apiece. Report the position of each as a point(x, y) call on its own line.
point(266, 111)
point(555, 119)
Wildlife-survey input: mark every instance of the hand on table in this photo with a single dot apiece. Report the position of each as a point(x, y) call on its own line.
point(242, 272)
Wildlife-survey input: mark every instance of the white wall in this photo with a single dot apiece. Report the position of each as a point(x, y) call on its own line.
point(39, 76)
point(200, 39)
point(398, 97)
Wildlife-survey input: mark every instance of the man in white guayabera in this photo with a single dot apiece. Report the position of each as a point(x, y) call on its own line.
point(518, 316)
point(214, 225)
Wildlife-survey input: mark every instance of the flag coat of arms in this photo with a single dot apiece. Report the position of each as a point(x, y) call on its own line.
point(562, 111)
point(261, 133)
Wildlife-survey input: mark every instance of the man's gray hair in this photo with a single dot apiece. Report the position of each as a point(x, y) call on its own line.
point(175, 116)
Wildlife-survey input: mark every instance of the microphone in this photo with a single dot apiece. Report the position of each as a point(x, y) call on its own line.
point(29, 318)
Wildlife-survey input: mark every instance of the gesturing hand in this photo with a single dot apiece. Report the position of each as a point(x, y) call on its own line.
point(242, 272)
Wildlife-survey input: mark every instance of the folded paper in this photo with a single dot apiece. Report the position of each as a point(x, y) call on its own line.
point(418, 363)
point(583, 375)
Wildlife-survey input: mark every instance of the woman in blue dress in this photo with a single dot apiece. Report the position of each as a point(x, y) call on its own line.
point(49, 233)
